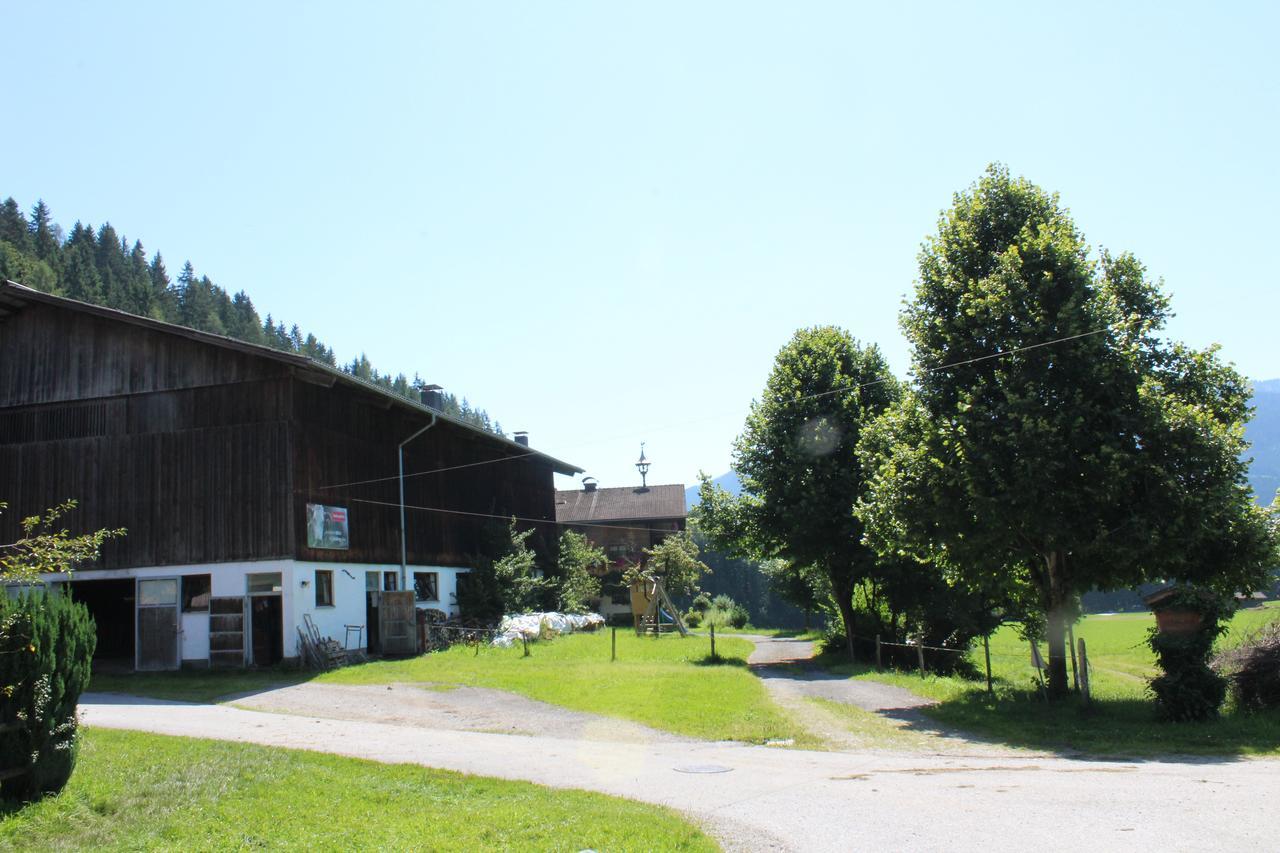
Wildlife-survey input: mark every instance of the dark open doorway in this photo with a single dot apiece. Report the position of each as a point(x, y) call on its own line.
point(267, 623)
point(111, 604)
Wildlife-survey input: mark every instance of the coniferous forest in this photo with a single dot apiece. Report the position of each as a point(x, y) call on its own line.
point(101, 266)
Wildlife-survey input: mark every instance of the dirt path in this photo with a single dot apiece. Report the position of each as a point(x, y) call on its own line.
point(446, 707)
point(887, 717)
point(775, 799)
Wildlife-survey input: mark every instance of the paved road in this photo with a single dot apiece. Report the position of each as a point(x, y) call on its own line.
point(779, 799)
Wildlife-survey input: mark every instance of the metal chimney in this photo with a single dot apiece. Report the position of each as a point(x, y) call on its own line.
point(521, 438)
point(432, 397)
point(588, 484)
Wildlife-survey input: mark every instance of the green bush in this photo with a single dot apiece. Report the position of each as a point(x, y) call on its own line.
point(1253, 669)
point(692, 619)
point(701, 603)
point(46, 647)
point(1189, 689)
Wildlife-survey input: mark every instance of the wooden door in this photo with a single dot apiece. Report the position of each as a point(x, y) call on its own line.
point(157, 624)
point(266, 616)
point(398, 623)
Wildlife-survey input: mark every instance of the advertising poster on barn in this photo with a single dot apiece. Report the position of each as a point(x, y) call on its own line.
point(327, 527)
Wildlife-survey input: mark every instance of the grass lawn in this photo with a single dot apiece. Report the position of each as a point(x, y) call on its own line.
point(137, 791)
point(666, 683)
point(1121, 719)
point(201, 686)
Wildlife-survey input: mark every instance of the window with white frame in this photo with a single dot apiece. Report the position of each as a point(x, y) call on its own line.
point(426, 586)
point(324, 588)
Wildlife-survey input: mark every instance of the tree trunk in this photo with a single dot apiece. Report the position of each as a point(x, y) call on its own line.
point(843, 592)
point(1058, 600)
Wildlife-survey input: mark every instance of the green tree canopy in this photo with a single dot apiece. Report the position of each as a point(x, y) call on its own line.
point(797, 460)
point(1052, 437)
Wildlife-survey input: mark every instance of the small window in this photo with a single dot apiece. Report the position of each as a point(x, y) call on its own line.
point(426, 586)
point(324, 588)
point(157, 592)
point(618, 552)
point(371, 581)
point(195, 593)
point(389, 581)
point(263, 582)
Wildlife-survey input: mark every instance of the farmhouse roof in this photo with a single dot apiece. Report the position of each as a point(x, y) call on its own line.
point(583, 506)
point(14, 296)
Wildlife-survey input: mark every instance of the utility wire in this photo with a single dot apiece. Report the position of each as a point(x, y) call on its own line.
point(438, 509)
point(847, 390)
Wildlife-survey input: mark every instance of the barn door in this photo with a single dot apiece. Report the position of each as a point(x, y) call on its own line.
point(398, 626)
point(157, 624)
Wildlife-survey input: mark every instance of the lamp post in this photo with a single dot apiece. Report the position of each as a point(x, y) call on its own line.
point(643, 467)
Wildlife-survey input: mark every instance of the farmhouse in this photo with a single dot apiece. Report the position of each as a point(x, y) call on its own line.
point(258, 487)
point(623, 521)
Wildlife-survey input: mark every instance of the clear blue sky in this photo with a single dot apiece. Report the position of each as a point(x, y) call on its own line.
point(600, 222)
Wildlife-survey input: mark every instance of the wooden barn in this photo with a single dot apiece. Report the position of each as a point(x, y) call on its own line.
point(257, 486)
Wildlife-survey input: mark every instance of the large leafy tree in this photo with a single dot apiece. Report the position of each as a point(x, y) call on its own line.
point(1053, 438)
point(797, 460)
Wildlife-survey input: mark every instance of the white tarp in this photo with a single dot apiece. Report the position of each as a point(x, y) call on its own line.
point(530, 626)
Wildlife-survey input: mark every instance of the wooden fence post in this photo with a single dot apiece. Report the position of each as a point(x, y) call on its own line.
point(986, 651)
point(879, 662)
point(1084, 671)
point(1071, 644)
point(526, 645)
point(613, 652)
point(713, 642)
point(920, 654)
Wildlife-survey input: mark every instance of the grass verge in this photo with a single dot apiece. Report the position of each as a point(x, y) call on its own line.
point(138, 791)
point(668, 683)
point(1120, 721)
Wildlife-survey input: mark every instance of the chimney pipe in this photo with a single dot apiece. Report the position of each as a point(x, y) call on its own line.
point(521, 438)
point(432, 397)
point(588, 484)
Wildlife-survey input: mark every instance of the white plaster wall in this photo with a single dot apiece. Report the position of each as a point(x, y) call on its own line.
point(348, 602)
point(230, 579)
point(195, 636)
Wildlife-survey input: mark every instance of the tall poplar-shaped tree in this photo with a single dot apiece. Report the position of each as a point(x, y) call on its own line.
point(798, 464)
point(1053, 438)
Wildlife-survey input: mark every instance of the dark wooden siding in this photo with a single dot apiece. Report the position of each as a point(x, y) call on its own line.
point(51, 354)
point(342, 438)
point(194, 464)
point(209, 454)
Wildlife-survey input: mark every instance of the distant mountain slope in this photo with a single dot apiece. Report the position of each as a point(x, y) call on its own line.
point(1263, 433)
point(727, 481)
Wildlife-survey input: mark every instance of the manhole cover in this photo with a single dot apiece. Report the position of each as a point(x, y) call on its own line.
point(703, 768)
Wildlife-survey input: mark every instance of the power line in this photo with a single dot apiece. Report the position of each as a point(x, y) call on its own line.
point(503, 517)
point(846, 390)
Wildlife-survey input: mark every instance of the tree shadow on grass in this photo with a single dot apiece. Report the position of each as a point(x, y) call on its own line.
point(719, 660)
point(1105, 729)
point(202, 686)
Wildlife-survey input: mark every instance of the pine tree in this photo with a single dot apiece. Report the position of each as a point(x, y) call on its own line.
point(44, 240)
point(13, 226)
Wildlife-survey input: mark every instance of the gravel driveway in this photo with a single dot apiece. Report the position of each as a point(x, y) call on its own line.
point(776, 799)
point(445, 707)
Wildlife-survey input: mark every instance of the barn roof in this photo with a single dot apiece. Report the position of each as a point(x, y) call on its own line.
point(14, 296)
point(582, 506)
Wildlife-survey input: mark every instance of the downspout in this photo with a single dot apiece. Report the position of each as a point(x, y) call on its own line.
point(403, 543)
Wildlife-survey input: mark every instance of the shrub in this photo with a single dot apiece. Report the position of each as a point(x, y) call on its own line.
point(1252, 669)
point(723, 603)
point(46, 646)
point(692, 619)
point(1189, 690)
point(701, 603)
